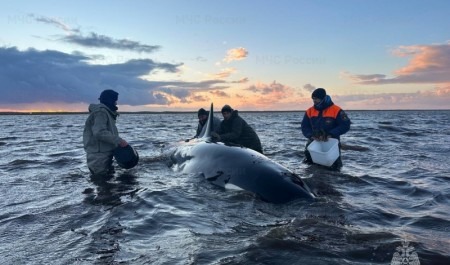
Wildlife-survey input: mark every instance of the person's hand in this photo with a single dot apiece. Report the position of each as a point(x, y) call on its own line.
point(123, 143)
point(321, 135)
point(215, 136)
point(321, 138)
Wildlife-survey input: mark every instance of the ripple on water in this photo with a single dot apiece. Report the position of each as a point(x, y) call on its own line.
point(393, 186)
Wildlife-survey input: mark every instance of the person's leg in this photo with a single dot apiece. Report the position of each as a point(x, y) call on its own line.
point(338, 163)
point(100, 163)
point(307, 159)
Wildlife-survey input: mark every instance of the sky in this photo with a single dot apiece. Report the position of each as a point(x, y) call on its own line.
point(167, 55)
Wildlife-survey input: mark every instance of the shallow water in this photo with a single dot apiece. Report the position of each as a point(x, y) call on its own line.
point(393, 187)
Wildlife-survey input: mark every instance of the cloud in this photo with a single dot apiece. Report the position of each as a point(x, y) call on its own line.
point(429, 64)
point(436, 98)
point(363, 78)
point(200, 59)
point(33, 76)
point(53, 21)
point(270, 94)
point(309, 87)
point(94, 40)
point(240, 81)
point(101, 41)
point(219, 93)
point(443, 91)
point(236, 54)
point(266, 89)
point(199, 98)
point(224, 73)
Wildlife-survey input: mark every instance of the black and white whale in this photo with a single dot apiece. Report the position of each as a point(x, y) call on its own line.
point(236, 167)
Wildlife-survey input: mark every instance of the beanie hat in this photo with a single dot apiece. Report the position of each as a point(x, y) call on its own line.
point(109, 98)
point(202, 111)
point(319, 93)
point(226, 108)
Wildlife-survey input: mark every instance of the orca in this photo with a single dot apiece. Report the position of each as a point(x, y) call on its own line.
point(238, 168)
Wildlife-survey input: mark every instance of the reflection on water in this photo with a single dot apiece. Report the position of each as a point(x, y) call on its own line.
point(110, 189)
point(393, 187)
point(108, 192)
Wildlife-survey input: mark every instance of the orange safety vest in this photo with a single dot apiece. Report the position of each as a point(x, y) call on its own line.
point(330, 112)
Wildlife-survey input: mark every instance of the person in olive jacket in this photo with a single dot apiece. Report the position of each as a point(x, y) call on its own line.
point(100, 135)
point(235, 130)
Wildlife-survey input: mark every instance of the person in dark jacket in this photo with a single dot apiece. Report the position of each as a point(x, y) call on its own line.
point(100, 135)
point(202, 119)
point(324, 120)
point(235, 130)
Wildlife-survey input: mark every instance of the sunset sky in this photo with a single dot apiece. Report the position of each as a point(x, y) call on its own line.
point(254, 55)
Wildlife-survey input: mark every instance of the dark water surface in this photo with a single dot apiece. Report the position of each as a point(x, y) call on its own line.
point(394, 187)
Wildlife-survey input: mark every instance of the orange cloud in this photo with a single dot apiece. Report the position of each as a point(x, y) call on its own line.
point(271, 94)
point(429, 64)
point(440, 91)
point(426, 59)
point(224, 73)
point(236, 54)
point(436, 98)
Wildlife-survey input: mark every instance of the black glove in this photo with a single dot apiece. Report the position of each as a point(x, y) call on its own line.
point(320, 135)
point(215, 136)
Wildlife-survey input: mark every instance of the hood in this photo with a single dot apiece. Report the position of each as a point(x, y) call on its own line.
point(98, 107)
point(325, 103)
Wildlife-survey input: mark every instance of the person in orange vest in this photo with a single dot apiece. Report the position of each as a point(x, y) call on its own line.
point(322, 121)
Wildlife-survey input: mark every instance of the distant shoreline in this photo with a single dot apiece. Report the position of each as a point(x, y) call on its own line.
point(193, 112)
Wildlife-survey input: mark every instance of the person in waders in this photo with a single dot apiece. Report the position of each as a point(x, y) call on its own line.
point(322, 121)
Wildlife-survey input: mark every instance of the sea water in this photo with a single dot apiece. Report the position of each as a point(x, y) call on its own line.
point(392, 190)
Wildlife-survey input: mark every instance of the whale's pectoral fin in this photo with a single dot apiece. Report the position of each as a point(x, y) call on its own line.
point(297, 180)
point(215, 177)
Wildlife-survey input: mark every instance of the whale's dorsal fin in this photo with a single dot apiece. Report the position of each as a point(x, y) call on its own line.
point(209, 123)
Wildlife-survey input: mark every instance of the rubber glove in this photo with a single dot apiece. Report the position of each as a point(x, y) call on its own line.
point(215, 136)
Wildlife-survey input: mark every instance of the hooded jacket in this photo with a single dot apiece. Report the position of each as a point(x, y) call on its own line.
point(100, 132)
point(201, 128)
point(236, 130)
point(326, 117)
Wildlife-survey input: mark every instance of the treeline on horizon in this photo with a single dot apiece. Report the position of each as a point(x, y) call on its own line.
point(130, 112)
point(189, 112)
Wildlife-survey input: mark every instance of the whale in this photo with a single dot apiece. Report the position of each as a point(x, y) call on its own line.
point(238, 168)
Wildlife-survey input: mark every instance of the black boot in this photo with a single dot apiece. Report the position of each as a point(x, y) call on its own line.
point(337, 165)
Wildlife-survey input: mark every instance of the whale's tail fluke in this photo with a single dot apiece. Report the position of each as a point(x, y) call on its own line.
point(209, 123)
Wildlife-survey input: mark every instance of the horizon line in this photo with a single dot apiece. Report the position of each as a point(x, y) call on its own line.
point(181, 112)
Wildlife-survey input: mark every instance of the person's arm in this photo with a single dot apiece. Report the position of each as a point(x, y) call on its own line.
point(101, 131)
point(306, 127)
point(343, 125)
point(197, 133)
point(236, 131)
point(216, 124)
